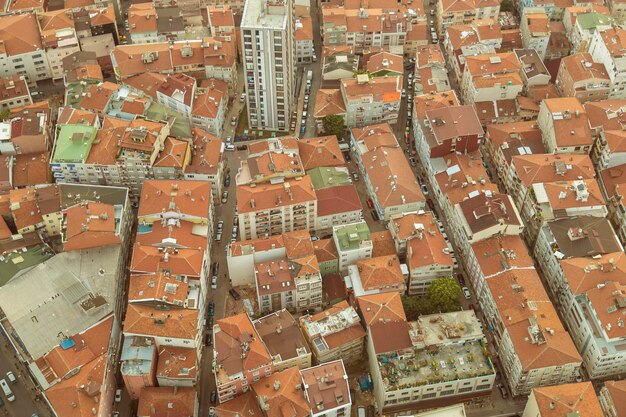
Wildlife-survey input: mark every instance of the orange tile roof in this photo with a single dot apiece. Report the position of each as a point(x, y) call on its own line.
point(374, 136)
point(235, 332)
point(90, 225)
point(98, 97)
point(177, 363)
point(105, 149)
point(207, 103)
point(259, 245)
point(185, 236)
point(148, 321)
point(543, 168)
point(320, 152)
point(20, 34)
point(273, 277)
point(148, 82)
point(337, 200)
point(381, 307)
point(465, 174)
point(207, 153)
point(174, 153)
point(304, 30)
point(572, 131)
point(424, 103)
point(382, 244)
point(329, 101)
point(79, 395)
point(614, 180)
point(244, 405)
point(385, 61)
point(158, 287)
point(71, 116)
point(90, 344)
point(380, 273)
point(581, 67)
point(297, 244)
point(327, 386)
point(222, 16)
point(428, 248)
point(281, 394)
point(380, 89)
point(130, 62)
point(391, 177)
point(325, 250)
point(31, 169)
point(268, 196)
point(187, 197)
point(562, 194)
point(568, 399)
point(498, 254)
point(148, 259)
point(617, 392)
point(178, 401)
point(142, 18)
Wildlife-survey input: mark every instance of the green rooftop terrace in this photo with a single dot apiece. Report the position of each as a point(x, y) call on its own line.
point(352, 235)
point(74, 143)
point(325, 177)
point(160, 113)
point(19, 260)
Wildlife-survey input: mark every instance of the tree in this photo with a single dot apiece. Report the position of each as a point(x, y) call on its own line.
point(416, 306)
point(507, 6)
point(444, 294)
point(4, 114)
point(334, 125)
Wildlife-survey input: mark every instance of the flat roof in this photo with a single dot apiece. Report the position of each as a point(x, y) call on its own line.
point(264, 14)
point(350, 236)
point(325, 177)
point(61, 297)
point(73, 143)
point(20, 260)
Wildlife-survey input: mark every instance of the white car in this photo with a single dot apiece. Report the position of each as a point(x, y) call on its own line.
point(229, 147)
point(466, 293)
point(242, 98)
point(214, 282)
point(403, 93)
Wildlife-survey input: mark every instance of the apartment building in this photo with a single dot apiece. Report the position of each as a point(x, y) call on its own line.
point(23, 52)
point(282, 394)
point(444, 373)
point(268, 39)
point(611, 180)
point(612, 398)
point(26, 130)
point(491, 77)
point(353, 242)
point(371, 100)
point(532, 69)
point(382, 307)
point(461, 40)
point(327, 389)
point(618, 10)
point(221, 20)
point(456, 12)
point(275, 286)
point(564, 126)
point(240, 357)
point(178, 93)
point(15, 92)
point(585, 25)
point(535, 30)
point(268, 209)
point(578, 398)
point(283, 338)
point(335, 333)
point(305, 50)
point(607, 48)
point(582, 78)
point(369, 138)
point(376, 275)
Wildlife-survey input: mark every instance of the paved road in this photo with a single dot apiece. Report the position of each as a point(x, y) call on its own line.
point(25, 404)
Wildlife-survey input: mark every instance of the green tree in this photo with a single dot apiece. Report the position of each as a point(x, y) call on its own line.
point(507, 6)
point(4, 114)
point(334, 125)
point(360, 72)
point(416, 306)
point(444, 294)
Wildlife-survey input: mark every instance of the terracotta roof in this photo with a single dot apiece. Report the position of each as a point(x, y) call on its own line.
point(12, 87)
point(142, 18)
point(464, 176)
point(281, 394)
point(488, 210)
point(259, 245)
point(147, 259)
point(20, 34)
point(454, 121)
point(105, 149)
point(568, 399)
point(428, 248)
point(385, 61)
point(266, 196)
point(606, 114)
point(297, 243)
point(207, 153)
point(184, 235)
point(90, 225)
point(207, 103)
point(380, 273)
point(382, 244)
point(221, 16)
point(273, 277)
point(148, 82)
point(282, 335)
point(320, 152)
point(499, 254)
point(336, 200)
point(327, 386)
point(516, 138)
point(329, 102)
point(129, 58)
point(79, 395)
point(615, 41)
point(187, 197)
point(614, 180)
point(382, 164)
point(177, 363)
point(98, 97)
point(389, 337)
point(149, 321)
point(383, 307)
point(564, 195)
point(174, 153)
point(583, 236)
point(178, 401)
point(374, 136)
point(158, 287)
point(304, 29)
point(71, 116)
point(381, 89)
point(617, 392)
point(543, 168)
point(421, 104)
point(573, 130)
point(581, 68)
point(234, 333)
point(181, 84)
point(31, 169)
point(325, 250)
point(244, 405)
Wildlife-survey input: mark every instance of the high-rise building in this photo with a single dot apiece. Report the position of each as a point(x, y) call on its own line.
point(267, 28)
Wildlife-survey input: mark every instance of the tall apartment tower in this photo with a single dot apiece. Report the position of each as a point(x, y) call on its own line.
point(267, 29)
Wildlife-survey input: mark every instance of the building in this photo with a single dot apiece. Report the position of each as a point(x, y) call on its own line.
point(612, 398)
point(611, 180)
point(427, 255)
point(178, 93)
point(535, 30)
point(270, 86)
point(479, 37)
point(15, 92)
point(240, 356)
point(532, 69)
point(585, 25)
point(305, 50)
point(283, 338)
point(582, 78)
point(353, 242)
point(181, 401)
point(491, 77)
point(431, 344)
point(282, 392)
point(382, 307)
point(334, 334)
point(275, 287)
point(455, 12)
point(207, 161)
point(327, 389)
point(566, 399)
point(371, 100)
point(377, 275)
point(564, 126)
point(607, 48)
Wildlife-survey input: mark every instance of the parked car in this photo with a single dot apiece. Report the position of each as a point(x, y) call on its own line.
point(355, 176)
point(461, 279)
point(233, 293)
point(215, 268)
point(224, 196)
point(227, 181)
point(2, 403)
point(11, 377)
point(370, 203)
point(235, 230)
point(375, 215)
point(208, 340)
point(242, 98)
point(229, 147)
point(425, 190)
point(218, 237)
point(242, 147)
point(213, 397)
point(118, 395)
point(214, 282)
point(233, 121)
point(503, 392)
point(403, 93)
point(220, 225)
point(413, 162)
point(211, 310)
point(211, 411)
point(466, 293)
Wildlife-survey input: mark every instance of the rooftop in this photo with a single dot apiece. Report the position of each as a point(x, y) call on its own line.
point(326, 386)
point(73, 143)
point(282, 335)
point(582, 236)
point(569, 400)
point(333, 327)
point(352, 236)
